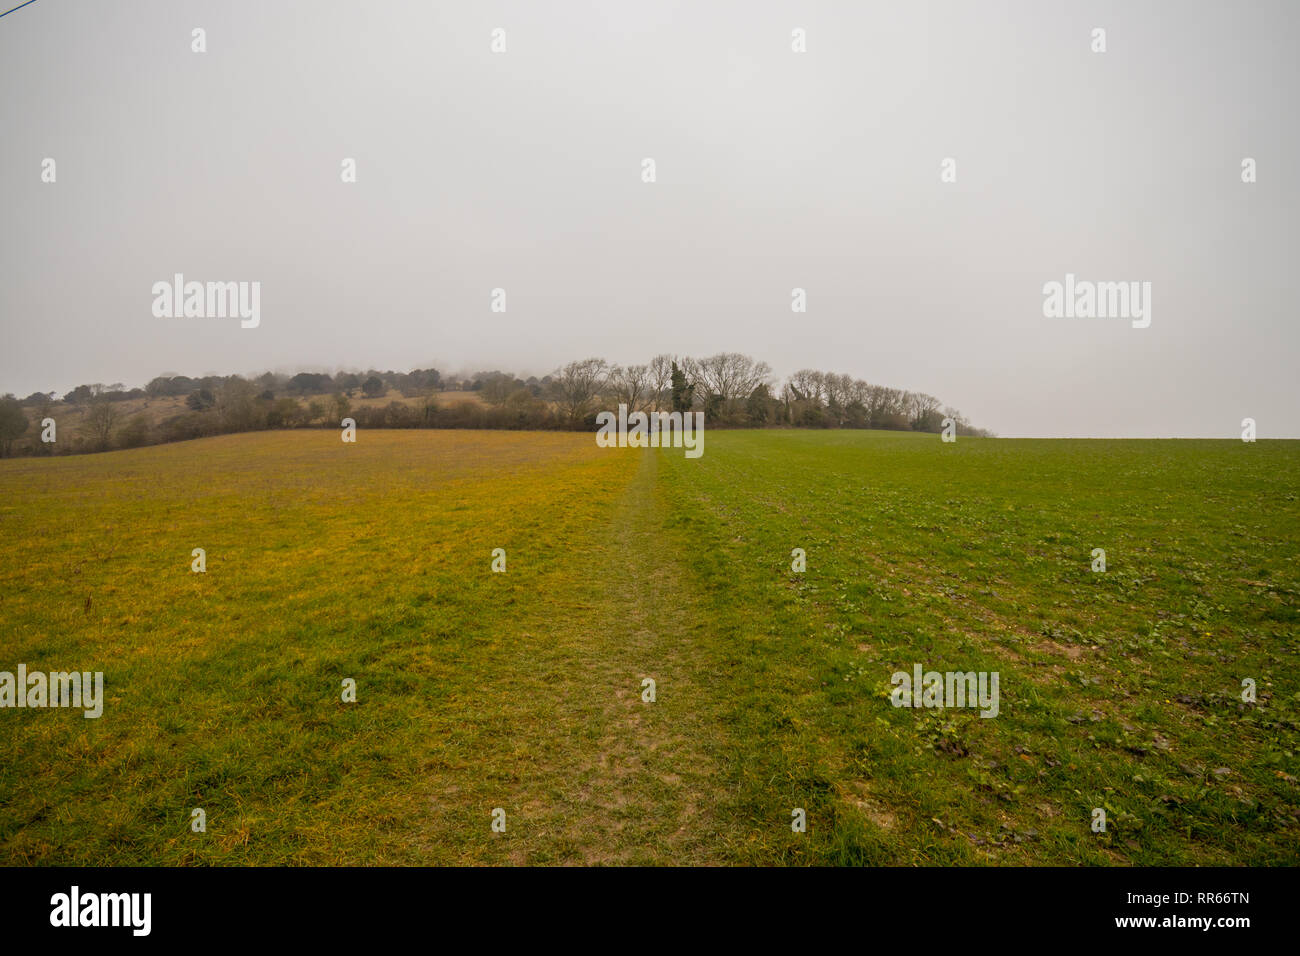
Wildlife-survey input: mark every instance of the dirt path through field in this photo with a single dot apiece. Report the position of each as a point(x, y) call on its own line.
point(560, 735)
point(641, 787)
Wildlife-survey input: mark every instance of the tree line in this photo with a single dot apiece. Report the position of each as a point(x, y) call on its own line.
point(732, 389)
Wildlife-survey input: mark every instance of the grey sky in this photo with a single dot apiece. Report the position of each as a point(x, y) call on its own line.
point(775, 170)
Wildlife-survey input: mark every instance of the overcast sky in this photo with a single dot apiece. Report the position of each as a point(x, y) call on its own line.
point(522, 170)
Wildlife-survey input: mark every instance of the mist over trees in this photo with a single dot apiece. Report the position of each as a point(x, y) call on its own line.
point(732, 389)
point(13, 423)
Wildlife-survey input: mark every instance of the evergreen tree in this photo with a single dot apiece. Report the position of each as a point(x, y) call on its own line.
point(683, 394)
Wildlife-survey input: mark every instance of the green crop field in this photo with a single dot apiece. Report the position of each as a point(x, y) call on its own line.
point(1120, 690)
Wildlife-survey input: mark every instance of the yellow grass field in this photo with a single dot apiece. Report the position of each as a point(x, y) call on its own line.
point(523, 691)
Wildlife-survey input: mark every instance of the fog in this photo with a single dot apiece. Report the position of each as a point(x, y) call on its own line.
point(774, 170)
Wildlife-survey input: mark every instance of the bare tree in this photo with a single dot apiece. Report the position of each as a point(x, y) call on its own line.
point(578, 385)
point(807, 384)
point(883, 405)
point(836, 389)
point(958, 420)
point(101, 419)
point(630, 386)
point(859, 393)
point(690, 368)
point(922, 411)
point(730, 376)
point(661, 378)
point(498, 386)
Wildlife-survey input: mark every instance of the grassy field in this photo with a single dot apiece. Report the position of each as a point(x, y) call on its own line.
point(523, 690)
